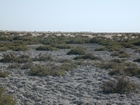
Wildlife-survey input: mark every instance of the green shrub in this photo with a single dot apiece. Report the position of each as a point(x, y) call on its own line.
point(99, 40)
point(12, 58)
point(6, 99)
point(53, 39)
point(77, 51)
point(126, 68)
point(44, 57)
point(23, 58)
point(120, 85)
point(4, 74)
point(14, 66)
point(20, 48)
point(63, 46)
point(46, 48)
point(64, 60)
point(4, 48)
point(26, 65)
point(137, 60)
point(100, 49)
point(137, 51)
point(54, 70)
point(87, 56)
point(114, 63)
point(128, 45)
point(121, 54)
point(5, 38)
point(117, 60)
point(78, 40)
point(137, 42)
point(109, 48)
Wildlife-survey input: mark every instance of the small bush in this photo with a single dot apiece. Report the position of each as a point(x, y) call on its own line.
point(23, 59)
point(14, 66)
point(78, 40)
point(46, 48)
point(100, 49)
point(121, 54)
point(4, 74)
point(126, 68)
point(63, 46)
point(137, 51)
point(4, 48)
point(87, 56)
point(77, 51)
point(64, 60)
point(54, 70)
point(26, 65)
point(20, 48)
point(120, 85)
point(12, 58)
point(6, 99)
point(137, 60)
point(128, 45)
point(44, 57)
point(109, 48)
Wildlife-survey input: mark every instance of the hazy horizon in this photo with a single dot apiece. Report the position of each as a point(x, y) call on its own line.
point(70, 16)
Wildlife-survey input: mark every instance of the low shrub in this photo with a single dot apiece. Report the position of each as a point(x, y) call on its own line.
point(20, 48)
point(137, 51)
point(126, 68)
point(119, 85)
point(4, 48)
point(77, 51)
point(14, 66)
point(121, 54)
point(54, 70)
point(63, 46)
point(44, 57)
point(26, 65)
point(87, 56)
point(128, 45)
point(109, 48)
point(12, 58)
point(6, 99)
point(46, 48)
point(23, 58)
point(64, 60)
point(137, 60)
point(4, 74)
point(100, 49)
point(78, 40)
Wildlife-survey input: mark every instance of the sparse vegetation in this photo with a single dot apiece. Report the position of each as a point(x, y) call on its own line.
point(26, 65)
point(14, 66)
point(137, 51)
point(64, 46)
point(121, 54)
point(43, 57)
point(54, 70)
point(6, 99)
point(120, 67)
point(46, 48)
point(137, 60)
point(12, 58)
point(87, 56)
point(4, 74)
point(119, 85)
point(77, 51)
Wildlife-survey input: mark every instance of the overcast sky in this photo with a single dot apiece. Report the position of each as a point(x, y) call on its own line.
point(70, 15)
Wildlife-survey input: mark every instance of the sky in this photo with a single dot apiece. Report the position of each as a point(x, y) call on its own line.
point(70, 15)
